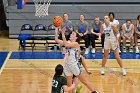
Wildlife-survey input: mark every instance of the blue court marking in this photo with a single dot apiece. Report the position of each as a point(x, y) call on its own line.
point(36, 55)
point(58, 55)
point(3, 56)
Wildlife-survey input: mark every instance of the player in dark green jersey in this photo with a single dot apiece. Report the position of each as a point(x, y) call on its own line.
point(59, 82)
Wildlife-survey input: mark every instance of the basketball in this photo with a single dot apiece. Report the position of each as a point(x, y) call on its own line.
point(57, 21)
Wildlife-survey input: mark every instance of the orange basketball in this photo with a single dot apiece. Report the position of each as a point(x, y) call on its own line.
point(57, 21)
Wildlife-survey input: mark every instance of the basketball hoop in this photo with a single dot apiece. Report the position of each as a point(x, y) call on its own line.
point(41, 7)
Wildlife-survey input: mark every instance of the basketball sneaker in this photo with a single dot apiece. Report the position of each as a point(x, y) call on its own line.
point(79, 88)
point(123, 72)
point(95, 92)
point(87, 51)
point(137, 49)
point(93, 50)
point(102, 71)
point(124, 49)
point(131, 49)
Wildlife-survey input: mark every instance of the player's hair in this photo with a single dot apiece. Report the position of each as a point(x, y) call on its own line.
point(78, 37)
point(138, 17)
point(111, 13)
point(58, 70)
point(128, 20)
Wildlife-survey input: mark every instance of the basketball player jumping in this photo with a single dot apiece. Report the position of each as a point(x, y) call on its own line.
point(72, 66)
point(111, 41)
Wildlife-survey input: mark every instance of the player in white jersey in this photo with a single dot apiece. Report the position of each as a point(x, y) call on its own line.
point(137, 33)
point(116, 23)
point(111, 41)
point(128, 32)
point(72, 66)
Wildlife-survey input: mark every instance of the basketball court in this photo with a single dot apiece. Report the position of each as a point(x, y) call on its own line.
point(27, 71)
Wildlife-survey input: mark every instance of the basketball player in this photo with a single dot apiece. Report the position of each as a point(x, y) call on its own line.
point(59, 82)
point(137, 33)
point(116, 23)
point(128, 32)
point(111, 41)
point(72, 66)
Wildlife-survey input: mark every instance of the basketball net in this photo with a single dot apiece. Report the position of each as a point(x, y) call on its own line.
point(41, 7)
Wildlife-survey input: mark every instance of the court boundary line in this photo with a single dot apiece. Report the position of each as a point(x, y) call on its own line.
point(6, 60)
point(62, 59)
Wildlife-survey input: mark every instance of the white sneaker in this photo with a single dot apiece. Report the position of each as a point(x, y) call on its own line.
point(87, 51)
point(102, 71)
point(102, 50)
point(131, 49)
point(119, 51)
point(123, 72)
point(93, 50)
point(137, 50)
point(109, 50)
point(124, 49)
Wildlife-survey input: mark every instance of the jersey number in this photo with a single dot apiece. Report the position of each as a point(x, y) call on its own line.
point(54, 83)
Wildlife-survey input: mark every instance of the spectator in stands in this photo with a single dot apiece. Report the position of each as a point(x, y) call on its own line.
point(116, 23)
point(83, 30)
point(128, 32)
point(96, 24)
point(137, 32)
point(68, 25)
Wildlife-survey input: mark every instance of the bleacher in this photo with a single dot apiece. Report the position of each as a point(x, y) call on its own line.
point(123, 9)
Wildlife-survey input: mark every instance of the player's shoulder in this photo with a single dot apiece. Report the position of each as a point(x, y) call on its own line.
point(116, 21)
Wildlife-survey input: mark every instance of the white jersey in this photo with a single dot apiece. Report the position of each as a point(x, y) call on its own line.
point(72, 55)
point(72, 67)
point(109, 33)
point(115, 22)
point(128, 29)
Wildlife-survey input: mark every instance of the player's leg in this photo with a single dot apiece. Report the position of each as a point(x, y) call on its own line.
point(68, 75)
point(106, 52)
point(86, 83)
point(117, 56)
point(119, 60)
point(69, 82)
point(76, 70)
point(78, 86)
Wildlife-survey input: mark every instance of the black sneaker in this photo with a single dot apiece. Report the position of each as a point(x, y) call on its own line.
point(95, 92)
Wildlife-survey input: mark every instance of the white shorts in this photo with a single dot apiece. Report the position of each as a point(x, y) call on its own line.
point(109, 44)
point(72, 69)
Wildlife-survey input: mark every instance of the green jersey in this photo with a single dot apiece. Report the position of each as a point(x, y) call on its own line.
point(58, 83)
